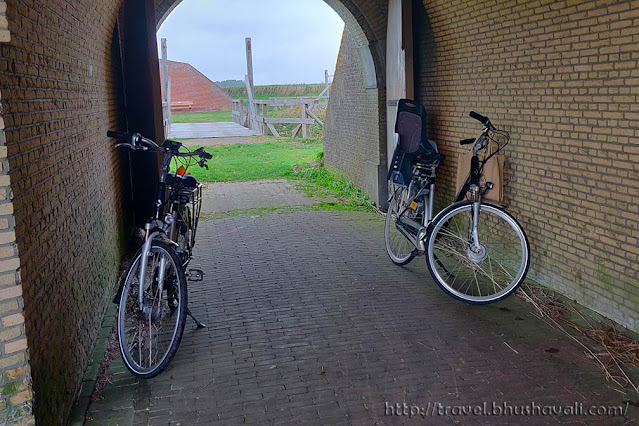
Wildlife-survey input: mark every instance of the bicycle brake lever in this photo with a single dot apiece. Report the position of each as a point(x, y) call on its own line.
point(127, 145)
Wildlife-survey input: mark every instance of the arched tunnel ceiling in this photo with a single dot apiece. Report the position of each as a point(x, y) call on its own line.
point(364, 19)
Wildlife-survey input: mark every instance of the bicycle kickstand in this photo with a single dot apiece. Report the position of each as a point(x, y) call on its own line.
point(199, 324)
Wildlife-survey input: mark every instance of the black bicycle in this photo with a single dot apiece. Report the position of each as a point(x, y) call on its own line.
point(152, 296)
point(475, 250)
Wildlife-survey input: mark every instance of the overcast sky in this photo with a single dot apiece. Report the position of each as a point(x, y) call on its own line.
point(294, 41)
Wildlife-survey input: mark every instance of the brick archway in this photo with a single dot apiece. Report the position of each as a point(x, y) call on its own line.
point(364, 48)
point(365, 21)
point(571, 175)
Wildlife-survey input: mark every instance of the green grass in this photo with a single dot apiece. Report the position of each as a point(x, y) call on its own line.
point(277, 91)
point(202, 117)
point(317, 181)
point(296, 159)
point(267, 97)
point(246, 162)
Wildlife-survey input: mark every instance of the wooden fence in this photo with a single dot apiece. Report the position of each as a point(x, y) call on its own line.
point(254, 114)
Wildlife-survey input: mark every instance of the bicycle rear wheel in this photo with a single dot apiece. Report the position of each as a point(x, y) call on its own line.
point(149, 337)
point(185, 239)
point(399, 248)
point(477, 276)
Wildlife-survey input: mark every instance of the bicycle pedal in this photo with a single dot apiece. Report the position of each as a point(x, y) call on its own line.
point(194, 275)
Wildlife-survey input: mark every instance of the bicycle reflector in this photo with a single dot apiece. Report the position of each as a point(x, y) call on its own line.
point(181, 170)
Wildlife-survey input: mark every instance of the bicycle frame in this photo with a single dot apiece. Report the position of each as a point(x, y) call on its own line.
point(428, 194)
point(156, 228)
point(153, 230)
point(460, 251)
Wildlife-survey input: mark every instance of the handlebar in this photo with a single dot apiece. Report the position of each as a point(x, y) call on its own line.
point(129, 137)
point(487, 126)
point(200, 151)
point(172, 148)
point(136, 140)
point(478, 117)
point(483, 120)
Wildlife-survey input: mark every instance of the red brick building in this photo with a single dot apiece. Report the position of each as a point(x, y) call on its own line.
point(193, 91)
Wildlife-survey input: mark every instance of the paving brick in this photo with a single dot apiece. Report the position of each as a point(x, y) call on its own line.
point(377, 333)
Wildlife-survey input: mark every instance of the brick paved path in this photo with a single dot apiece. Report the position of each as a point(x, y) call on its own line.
point(310, 323)
point(228, 196)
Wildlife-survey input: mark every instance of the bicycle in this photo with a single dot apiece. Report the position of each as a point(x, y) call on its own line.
point(152, 296)
point(475, 250)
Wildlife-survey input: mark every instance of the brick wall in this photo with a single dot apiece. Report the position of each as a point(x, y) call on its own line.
point(352, 126)
point(15, 374)
point(190, 85)
point(562, 78)
point(59, 96)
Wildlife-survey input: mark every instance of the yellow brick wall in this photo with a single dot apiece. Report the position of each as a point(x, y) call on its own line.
point(351, 129)
point(563, 79)
point(59, 97)
point(15, 375)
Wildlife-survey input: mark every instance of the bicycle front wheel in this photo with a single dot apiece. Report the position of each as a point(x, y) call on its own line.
point(399, 248)
point(150, 334)
point(481, 273)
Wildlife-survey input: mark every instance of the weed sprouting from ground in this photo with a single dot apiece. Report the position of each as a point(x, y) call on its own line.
point(300, 160)
point(316, 180)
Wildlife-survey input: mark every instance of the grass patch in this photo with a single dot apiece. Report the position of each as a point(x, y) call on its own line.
point(247, 162)
point(315, 180)
point(296, 159)
point(202, 117)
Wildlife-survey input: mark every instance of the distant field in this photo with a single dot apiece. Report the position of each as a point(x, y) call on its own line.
point(269, 160)
point(202, 117)
point(277, 91)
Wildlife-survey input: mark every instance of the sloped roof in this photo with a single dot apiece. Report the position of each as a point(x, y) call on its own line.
point(190, 85)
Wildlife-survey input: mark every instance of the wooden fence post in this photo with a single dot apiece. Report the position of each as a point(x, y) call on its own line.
point(252, 112)
point(304, 117)
point(327, 87)
point(249, 61)
point(166, 90)
point(264, 116)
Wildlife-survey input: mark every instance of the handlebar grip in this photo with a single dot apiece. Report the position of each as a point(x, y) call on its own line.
point(200, 151)
point(479, 117)
point(466, 141)
point(119, 135)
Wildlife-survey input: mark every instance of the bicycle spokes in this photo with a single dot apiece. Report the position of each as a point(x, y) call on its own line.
point(148, 332)
point(479, 266)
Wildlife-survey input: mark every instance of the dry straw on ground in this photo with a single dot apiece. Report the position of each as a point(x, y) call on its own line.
point(104, 375)
point(614, 352)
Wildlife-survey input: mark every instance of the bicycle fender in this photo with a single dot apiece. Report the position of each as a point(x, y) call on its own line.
point(156, 234)
point(501, 207)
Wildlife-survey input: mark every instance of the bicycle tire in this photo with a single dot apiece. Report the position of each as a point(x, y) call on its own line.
point(483, 276)
point(399, 248)
point(143, 324)
point(185, 238)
